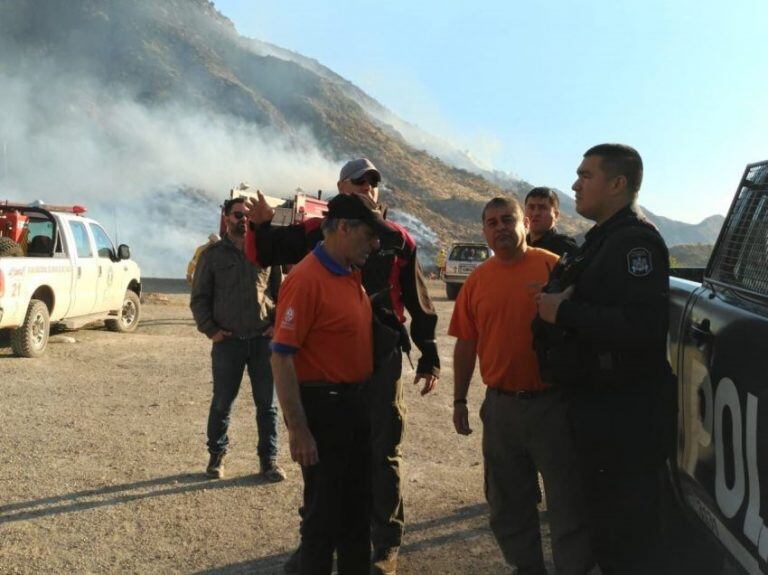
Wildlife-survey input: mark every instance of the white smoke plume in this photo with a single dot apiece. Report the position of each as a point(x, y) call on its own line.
point(154, 176)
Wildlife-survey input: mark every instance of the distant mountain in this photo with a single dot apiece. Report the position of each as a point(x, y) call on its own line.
point(690, 255)
point(678, 233)
point(124, 74)
point(673, 231)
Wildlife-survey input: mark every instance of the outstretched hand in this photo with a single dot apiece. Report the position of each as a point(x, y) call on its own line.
point(430, 382)
point(258, 211)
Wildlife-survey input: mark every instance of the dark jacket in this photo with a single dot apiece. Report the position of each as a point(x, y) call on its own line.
point(615, 326)
point(392, 277)
point(554, 242)
point(230, 293)
point(621, 302)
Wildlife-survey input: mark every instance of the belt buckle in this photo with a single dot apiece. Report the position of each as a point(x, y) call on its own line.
point(524, 394)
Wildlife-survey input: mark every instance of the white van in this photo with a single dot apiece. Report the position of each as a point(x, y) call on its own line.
point(463, 258)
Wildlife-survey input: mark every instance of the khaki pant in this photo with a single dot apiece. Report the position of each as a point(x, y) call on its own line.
point(521, 436)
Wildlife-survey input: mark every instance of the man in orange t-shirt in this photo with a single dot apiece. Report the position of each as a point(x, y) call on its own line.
point(322, 355)
point(525, 426)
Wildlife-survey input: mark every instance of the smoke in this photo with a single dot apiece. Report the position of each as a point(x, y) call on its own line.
point(153, 176)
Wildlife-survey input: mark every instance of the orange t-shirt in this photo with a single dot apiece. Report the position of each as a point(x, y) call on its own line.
point(324, 318)
point(495, 307)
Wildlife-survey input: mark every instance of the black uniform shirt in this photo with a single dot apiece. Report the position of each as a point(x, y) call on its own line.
point(619, 311)
point(554, 242)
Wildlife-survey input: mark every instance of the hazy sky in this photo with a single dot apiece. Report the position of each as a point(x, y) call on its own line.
point(528, 86)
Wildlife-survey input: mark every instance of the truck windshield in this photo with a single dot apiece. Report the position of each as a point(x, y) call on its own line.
point(469, 254)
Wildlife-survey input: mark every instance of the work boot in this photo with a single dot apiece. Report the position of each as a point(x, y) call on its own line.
point(292, 566)
point(271, 471)
point(384, 561)
point(215, 469)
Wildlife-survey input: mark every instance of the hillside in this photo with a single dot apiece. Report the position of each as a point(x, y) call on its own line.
point(690, 255)
point(673, 231)
point(124, 101)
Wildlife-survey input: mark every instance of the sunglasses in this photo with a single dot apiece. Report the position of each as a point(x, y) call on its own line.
point(238, 215)
point(371, 180)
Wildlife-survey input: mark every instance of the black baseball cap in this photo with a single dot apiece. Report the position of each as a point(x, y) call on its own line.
point(359, 207)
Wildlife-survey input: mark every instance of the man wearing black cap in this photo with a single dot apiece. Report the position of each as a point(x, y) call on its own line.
point(542, 208)
point(322, 357)
point(393, 279)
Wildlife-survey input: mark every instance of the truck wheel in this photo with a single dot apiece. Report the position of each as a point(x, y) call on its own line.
point(128, 320)
point(30, 339)
point(452, 291)
point(10, 249)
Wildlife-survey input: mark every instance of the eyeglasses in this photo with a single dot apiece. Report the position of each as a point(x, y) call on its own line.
point(238, 215)
point(371, 180)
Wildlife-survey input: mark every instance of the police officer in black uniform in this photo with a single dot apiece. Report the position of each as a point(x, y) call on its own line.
point(542, 208)
point(601, 334)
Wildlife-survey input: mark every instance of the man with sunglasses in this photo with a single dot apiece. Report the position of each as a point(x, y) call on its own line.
point(233, 304)
point(393, 279)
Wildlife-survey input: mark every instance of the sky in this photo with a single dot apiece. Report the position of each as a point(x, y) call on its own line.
point(526, 87)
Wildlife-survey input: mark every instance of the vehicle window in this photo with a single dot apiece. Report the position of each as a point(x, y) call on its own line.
point(40, 228)
point(741, 256)
point(58, 251)
point(82, 242)
point(469, 254)
point(40, 238)
point(104, 246)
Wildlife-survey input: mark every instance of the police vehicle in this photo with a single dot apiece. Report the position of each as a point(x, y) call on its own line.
point(718, 347)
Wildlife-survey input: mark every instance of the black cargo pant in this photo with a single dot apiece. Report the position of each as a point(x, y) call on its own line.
point(387, 416)
point(336, 510)
point(621, 432)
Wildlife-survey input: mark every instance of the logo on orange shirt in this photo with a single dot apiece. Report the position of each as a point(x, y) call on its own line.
point(288, 319)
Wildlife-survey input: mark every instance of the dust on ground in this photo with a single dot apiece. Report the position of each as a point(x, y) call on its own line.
point(102, 456)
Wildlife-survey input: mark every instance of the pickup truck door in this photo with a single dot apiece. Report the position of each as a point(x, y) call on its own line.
point(85, 271)
point(723, 372)
point(109, 291)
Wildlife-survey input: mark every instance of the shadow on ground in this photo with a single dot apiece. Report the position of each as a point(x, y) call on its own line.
point(119, 494)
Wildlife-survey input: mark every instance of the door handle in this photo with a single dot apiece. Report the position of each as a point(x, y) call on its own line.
point(700, 332)
point(79, 272)
point(99, 271)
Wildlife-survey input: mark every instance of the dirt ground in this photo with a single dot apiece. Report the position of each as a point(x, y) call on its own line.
point(102, 453)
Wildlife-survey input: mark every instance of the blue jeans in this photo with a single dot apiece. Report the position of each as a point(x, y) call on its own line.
point(228, 360)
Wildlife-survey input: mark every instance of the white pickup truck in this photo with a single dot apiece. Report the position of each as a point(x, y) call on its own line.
point(58, 266)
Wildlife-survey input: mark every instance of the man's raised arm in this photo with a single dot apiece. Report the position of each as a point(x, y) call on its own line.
point(267, 245)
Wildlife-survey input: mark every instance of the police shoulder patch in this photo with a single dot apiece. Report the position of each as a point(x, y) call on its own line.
point(639, 262)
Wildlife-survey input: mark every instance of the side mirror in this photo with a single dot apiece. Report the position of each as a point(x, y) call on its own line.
point(123, 252)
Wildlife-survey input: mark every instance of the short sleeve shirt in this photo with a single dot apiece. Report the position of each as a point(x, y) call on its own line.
point(495, 308)
point(324, 318)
